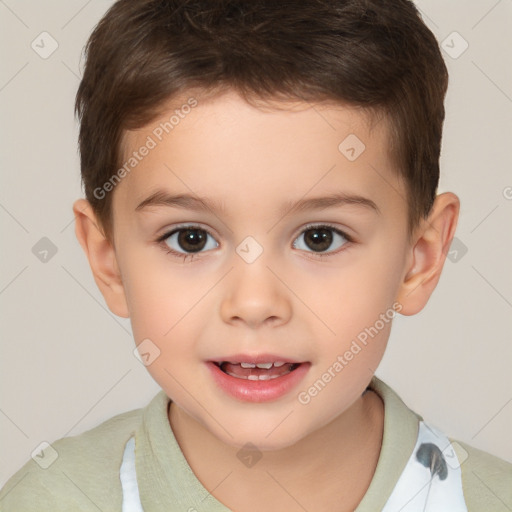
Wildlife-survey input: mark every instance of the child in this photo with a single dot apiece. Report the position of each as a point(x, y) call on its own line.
point(261, 202)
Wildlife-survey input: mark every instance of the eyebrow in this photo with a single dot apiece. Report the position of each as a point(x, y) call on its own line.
point(187, 201)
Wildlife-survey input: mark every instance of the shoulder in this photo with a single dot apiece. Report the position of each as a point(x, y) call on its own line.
point(79, 473)
point(486, 479)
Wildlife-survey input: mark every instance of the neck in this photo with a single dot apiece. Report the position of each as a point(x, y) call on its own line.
point(329, 469)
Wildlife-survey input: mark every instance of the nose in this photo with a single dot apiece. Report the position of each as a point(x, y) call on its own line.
point(255, 295)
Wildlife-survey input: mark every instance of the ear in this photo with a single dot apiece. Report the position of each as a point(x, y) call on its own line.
point(430, 245)
point(102, 257)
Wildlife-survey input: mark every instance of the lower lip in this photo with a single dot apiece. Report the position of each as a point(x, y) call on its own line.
point(258, 390)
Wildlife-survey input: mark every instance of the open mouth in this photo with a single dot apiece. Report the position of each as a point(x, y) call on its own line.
point(257, 371)
point(257, 378)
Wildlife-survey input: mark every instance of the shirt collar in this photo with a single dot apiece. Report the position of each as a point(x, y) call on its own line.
point(165, 477)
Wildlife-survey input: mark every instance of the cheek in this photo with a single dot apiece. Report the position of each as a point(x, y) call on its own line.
point(365, 289)
point(164, 310)
point(359, 309)
point(156, 296)
point(169, 304)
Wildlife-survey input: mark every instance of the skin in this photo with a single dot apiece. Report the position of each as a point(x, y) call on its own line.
point(288, 301)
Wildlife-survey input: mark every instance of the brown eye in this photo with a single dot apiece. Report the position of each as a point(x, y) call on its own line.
point(192, 240)
point(189, 240)
point(320, 238)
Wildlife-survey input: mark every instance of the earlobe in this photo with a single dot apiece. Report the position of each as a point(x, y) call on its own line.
point(102, 258)
point(430, 245)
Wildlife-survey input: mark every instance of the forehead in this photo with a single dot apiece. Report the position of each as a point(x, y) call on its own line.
point(239, 153)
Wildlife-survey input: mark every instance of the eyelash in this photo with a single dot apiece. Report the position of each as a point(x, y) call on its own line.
point(161, 240)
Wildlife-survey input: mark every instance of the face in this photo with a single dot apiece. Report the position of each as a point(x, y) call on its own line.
point(259, 236)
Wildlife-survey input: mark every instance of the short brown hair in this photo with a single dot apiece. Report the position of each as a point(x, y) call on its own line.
point(374, 54)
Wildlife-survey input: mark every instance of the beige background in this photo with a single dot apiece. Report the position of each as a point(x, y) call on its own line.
point(67, 362)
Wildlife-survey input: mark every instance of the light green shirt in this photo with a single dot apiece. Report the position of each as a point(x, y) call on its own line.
point(85, 475)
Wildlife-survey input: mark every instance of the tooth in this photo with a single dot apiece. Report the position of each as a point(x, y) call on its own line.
point(279, 363)
point(252, 377)
point(247, 365)
point(264, 377)
point(265, 366)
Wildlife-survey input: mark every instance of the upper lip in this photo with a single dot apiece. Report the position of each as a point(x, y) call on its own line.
point(255, 359)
